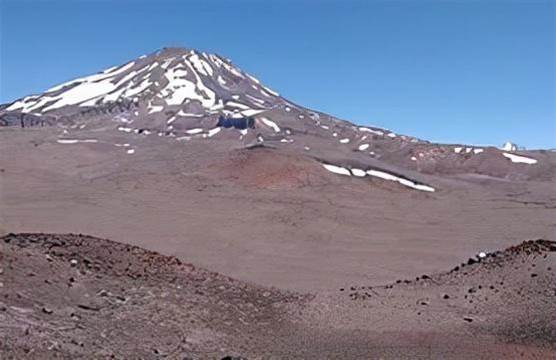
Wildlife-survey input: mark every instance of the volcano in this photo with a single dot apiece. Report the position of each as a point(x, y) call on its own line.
point(187, 94)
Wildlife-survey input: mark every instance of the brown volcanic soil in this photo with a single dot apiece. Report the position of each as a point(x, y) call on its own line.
point(68, 296)
point(271, 216)
point(77, 295)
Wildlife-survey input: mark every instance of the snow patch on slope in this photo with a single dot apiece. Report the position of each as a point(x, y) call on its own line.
point(337, 169)
point(377, 173)
point(270, 123)
point(520, 159)
point(405, 182)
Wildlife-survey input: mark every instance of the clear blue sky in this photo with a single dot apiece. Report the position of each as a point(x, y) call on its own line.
point(478, 72)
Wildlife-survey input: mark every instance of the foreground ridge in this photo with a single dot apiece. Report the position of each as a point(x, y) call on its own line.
point(115, 294)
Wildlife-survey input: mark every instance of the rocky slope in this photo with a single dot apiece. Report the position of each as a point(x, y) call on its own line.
point(68, 296)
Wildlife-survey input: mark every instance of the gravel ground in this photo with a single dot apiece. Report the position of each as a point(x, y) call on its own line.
point(71, 296)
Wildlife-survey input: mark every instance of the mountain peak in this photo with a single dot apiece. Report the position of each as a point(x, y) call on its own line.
point(171, 78)
point(173, 51)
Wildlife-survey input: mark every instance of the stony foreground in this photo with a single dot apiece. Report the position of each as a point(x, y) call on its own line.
point(70, 296)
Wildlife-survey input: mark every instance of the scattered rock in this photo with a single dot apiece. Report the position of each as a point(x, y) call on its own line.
point(47, 310)
point(88, 307)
